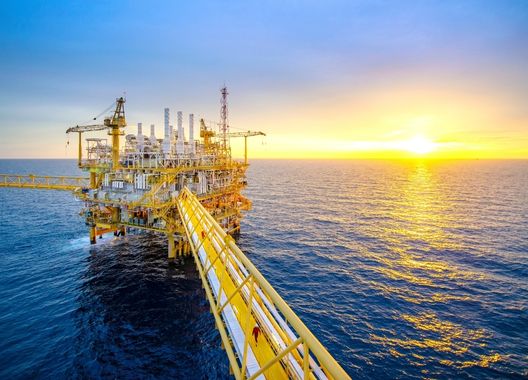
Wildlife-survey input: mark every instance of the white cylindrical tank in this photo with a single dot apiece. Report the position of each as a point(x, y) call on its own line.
point(166, 139)
point(172, 137)
point(166, 120)
point(139, 138)
point(153, 140)
point(191, 134)
point(180, 142)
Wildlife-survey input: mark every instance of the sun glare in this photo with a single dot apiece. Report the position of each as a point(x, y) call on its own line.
point(419, 145)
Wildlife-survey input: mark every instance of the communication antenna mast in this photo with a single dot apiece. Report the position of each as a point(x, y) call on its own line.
point(224, 127)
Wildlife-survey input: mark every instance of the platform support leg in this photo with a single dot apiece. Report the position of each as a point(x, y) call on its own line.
point(172, 247)
point(93, 180)
point(93, 237)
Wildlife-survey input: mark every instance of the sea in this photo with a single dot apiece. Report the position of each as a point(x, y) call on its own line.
point(409, 269)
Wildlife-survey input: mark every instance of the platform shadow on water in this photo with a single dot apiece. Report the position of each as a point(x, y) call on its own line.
point(142, 317)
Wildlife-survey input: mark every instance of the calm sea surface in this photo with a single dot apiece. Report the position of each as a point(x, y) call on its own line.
point(403, 269)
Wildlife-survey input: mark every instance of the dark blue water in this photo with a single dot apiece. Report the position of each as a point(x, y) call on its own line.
point(402, 269)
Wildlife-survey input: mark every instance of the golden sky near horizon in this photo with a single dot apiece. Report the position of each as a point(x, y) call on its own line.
point(398, 123)
point(323, 80)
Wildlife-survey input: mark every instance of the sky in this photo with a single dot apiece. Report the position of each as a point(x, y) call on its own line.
point(322, 79)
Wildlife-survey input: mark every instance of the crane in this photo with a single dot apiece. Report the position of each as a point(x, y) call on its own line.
point(245, 135)
point(206, 133)
point(114, 124)
point(84, 128)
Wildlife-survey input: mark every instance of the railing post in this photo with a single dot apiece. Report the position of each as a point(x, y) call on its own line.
point(237, 290)
point(248, 328)
point(306, 360)
point(279, 356)
point(202, 241)
point(221, 286)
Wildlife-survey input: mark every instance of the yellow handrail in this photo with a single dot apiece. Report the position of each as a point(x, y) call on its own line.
point(43, 181)
point(193, 213)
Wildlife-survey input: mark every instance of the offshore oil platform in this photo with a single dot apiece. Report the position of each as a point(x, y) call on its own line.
point(136, 188)
point(190, 191)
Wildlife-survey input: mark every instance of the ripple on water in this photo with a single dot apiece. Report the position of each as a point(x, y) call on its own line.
point(410, 260)
point(402, 269)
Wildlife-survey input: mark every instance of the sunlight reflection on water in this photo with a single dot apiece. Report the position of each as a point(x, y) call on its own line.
point(404, 269)
point(411, 256)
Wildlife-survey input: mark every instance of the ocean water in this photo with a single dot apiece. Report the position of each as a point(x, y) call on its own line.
point(402, 269)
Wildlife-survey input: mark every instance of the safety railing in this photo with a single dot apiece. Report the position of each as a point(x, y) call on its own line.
point(262, 336)
point(43, 182)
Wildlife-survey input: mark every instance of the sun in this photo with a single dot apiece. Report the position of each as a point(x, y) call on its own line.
point(419, 145)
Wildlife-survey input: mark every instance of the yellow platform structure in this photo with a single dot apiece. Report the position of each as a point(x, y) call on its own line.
point(262, 336)
point(190, 191)
point(43, 182)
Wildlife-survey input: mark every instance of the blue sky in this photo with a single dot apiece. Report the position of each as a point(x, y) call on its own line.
point(292, 67)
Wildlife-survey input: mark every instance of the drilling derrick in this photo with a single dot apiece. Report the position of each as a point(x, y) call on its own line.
point(224, 127)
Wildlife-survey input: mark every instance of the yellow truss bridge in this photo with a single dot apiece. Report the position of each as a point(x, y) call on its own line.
point(152, 185)
point(44, 182)
point(263, 337)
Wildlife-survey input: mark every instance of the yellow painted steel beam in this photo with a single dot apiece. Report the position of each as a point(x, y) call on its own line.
point(79, 162)
point(238, 289)
point(184, 168)
point(282, 354)
point(287, 348)
point(44, 182)
point(153, 229)
point(238, 303)
point(93, 235)
point(171, 248)
point(219, 323)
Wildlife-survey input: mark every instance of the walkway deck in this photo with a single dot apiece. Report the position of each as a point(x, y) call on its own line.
point(243, 302)
point(43, 182)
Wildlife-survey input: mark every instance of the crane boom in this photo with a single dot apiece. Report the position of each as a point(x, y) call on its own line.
point(245, 135)
point(114, 124)
point(87, 128)
point(84, 128)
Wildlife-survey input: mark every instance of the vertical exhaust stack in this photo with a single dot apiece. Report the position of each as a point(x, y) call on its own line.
point(180, 144)
point(140, 140)
point(166, 139)
point(153, 140)
point(191, 134)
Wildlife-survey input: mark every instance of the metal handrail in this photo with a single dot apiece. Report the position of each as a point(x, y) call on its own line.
point(43, 181)
point(325, 359)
